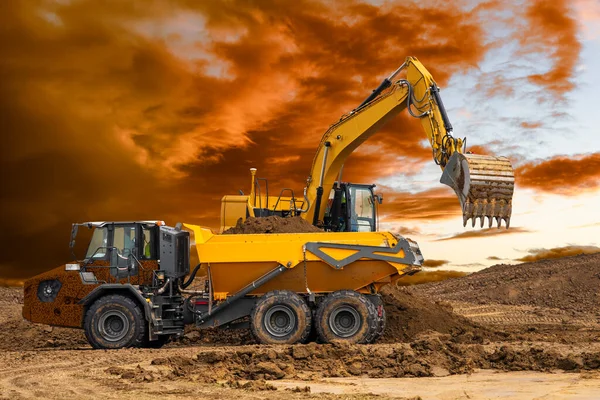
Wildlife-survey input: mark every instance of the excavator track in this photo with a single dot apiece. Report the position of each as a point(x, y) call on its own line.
point(484, 186)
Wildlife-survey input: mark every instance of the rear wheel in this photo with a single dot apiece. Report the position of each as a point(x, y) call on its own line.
point(381, 319)
point(281, 317)
point(114, 322)
point(348, 316)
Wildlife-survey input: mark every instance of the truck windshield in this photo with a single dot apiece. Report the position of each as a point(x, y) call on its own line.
point(362, 218)
point(98, 242)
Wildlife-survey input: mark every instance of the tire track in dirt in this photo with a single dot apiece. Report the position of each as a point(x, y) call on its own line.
point(500, 314)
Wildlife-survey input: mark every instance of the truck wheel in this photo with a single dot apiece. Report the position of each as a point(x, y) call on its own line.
point(281, 317)
point(114, 322)
point(381, 318)
point(348, 316)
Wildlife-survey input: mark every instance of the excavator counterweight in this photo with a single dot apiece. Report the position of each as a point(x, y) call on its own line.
point(484, 186)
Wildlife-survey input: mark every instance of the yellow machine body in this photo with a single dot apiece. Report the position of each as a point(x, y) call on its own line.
point(316, 262)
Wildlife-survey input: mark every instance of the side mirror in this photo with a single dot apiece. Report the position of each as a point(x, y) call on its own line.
point(379, 198)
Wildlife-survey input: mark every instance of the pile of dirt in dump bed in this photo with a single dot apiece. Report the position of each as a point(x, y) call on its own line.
point(272, 224)
point(569, 283)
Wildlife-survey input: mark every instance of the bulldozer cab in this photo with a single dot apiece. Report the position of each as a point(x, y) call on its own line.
point(351, 208)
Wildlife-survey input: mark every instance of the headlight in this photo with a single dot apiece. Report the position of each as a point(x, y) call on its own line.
point(48, 290)
point(72, 267)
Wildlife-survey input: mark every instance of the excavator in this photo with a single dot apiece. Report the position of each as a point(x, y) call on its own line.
point(483, 184)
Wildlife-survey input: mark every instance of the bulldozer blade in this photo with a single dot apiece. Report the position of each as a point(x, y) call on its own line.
point(484, 186)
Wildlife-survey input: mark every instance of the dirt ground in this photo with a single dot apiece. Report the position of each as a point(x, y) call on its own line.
point(525, 331)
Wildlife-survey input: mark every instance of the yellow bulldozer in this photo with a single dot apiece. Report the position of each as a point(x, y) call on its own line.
point(134, 286)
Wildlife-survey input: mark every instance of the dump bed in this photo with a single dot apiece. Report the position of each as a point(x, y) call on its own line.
point(316, 262)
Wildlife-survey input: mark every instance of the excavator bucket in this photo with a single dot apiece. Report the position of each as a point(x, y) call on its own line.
point(484, 185)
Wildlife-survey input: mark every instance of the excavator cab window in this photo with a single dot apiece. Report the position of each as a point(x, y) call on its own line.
point(361, 209)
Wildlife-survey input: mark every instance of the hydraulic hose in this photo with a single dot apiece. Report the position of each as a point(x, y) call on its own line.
point(191, 278)
point(162, 289)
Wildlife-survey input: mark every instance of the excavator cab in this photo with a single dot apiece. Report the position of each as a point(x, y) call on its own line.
point(351, 208)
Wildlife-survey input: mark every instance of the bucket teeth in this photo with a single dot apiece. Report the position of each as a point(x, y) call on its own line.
point(484, 186)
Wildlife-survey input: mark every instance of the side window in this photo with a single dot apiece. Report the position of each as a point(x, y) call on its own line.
point(363, 210)
point(147, 245)
point(98, 244)
point(124, 240)
point(329, 203)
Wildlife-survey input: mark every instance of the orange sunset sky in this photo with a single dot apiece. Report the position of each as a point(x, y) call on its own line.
point(122, 110)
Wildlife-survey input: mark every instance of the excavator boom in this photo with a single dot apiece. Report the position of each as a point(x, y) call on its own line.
point(483, 184)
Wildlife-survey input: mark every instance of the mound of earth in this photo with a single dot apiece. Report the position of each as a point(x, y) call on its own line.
point(429, 355)
point(19, 334)
point(272, 224)
point(569, 283)
point(409, 315)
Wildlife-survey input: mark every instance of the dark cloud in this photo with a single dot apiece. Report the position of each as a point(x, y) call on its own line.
point(434, 263)
point(561, 174)
point(557, 252)
point(430, 276)
point(485, 233)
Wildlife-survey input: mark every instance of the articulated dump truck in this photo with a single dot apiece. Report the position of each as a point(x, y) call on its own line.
point(134, 287)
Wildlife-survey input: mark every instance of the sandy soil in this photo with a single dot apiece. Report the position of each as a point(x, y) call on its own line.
point(506, 332)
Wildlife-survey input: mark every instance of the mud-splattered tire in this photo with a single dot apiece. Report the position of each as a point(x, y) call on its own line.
point(381, 318)
point(114, 322)
point(281, 317)
point(347, 316)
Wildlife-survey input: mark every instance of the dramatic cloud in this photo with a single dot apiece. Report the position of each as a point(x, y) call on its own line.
point(558, 252)
point(485, 233)
point(434, 263)
point(552, 31)
point(434, 204)
point(120, 112)
point(561, 174)
point(430, 276)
